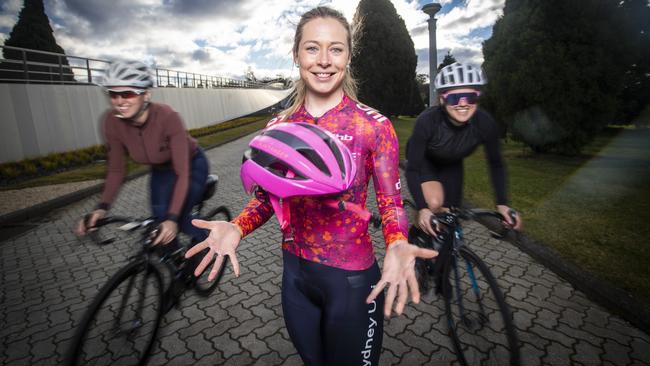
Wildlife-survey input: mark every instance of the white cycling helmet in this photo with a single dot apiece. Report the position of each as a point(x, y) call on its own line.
point(458, 75)
point(128, 73)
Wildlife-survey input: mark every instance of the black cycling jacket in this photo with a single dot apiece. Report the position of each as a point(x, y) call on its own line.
point(437, 145)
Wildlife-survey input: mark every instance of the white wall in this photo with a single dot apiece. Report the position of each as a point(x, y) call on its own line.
point(39, 119)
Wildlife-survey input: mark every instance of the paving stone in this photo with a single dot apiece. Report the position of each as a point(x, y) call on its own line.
point(616, 353)
point(557, 354)
point(586, 353)
point(253, 345)
point(531, 356)
point(200, 346)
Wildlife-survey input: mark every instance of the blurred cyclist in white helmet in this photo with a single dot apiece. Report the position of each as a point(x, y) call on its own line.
point(154, 134)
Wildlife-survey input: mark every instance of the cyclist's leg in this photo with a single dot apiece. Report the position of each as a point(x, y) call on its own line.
point(198, 176)
point(161, 187)
point(451, 177)
point(353, 329)
point(326, 313)
point(301, 315)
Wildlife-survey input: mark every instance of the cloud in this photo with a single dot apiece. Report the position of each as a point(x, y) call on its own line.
point(225, 37)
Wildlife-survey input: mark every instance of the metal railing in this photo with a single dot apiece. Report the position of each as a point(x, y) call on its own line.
point(22, 65)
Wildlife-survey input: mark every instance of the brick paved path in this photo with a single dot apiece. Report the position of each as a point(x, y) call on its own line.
point(48, 277)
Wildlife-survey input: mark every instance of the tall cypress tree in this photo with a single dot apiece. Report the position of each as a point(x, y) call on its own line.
point(555, 69)
point(33, 31)
point(385, 61)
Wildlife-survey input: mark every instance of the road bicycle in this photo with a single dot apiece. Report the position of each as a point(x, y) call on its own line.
point(120, 325)
point(479, 320)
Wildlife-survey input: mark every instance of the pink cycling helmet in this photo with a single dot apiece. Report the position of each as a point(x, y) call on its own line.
point(297, 159)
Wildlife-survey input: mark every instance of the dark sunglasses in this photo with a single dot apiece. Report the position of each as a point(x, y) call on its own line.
point(455, 98)
point(125, 94)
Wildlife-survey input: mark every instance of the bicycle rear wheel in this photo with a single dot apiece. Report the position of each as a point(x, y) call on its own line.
point(480, 322)
point(202, 286)
point(120, 325)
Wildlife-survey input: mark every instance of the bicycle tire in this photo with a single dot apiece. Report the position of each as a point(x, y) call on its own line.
point(479, 319)
point(202, 285)
point(112, 309)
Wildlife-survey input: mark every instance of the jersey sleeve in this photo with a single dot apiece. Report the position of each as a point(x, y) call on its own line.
point(115, 164)
point(492, 147)
point(417, 164)
point(254, 215)
point(386, 180)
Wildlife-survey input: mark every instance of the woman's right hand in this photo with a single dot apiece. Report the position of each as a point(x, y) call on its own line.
point(424, 221)
point(223, 240)
point(83, 226)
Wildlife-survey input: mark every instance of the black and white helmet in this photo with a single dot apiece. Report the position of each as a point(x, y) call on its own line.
point(128, 73)
point(458, 75)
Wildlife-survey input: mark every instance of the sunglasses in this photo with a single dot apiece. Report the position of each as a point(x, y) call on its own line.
point(455, 98)
point(125, 94)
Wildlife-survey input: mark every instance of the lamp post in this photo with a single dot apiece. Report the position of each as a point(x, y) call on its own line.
point(432, 9)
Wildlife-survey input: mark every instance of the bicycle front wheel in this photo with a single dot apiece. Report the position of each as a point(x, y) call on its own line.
point(120, 325)
point(480, 321)
point(203, 286)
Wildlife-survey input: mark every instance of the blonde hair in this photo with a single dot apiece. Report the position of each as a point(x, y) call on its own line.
point(349, 83)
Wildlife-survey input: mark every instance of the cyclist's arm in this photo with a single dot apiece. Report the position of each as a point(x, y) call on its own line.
point(115, 165)
point(416, 158)
point(492, 147)
point(386, 180)
point(254, 215)
point(180, 151)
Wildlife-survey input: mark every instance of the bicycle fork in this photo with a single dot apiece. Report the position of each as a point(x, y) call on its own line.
point(136, 321)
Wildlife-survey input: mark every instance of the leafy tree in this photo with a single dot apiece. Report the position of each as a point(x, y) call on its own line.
point(385, 61)
point(33, 31)
point(448, 60)
point(555, 69)
point(635, 97)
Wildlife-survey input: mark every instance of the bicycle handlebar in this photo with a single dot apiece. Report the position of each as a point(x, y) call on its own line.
point(451, 218)
point(130, 224)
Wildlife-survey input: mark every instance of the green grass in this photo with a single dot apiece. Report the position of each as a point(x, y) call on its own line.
point(208, 136)
point(592, 209)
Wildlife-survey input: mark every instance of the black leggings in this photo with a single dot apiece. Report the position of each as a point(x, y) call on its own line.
point(326, 313)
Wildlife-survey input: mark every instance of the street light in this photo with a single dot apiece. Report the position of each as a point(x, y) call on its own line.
point(432, 9)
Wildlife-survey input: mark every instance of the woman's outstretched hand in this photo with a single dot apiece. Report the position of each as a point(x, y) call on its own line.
point(398, 273)
point(223, 241)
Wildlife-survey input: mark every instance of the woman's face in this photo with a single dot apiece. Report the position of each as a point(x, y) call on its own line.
point(126, 101)
point(323, 54)
point(460, 104)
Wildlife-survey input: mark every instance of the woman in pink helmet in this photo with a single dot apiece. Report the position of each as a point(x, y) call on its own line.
point(318, 157)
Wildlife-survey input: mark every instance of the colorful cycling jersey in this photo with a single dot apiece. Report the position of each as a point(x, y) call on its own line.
point(334, 237)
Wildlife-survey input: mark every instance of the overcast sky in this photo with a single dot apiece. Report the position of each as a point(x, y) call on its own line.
point(226, 37)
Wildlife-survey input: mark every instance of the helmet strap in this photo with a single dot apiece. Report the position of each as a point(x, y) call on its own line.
point(144, 107)
point(284, 216)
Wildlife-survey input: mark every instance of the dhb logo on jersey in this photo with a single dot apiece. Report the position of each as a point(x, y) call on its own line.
point(344, 137)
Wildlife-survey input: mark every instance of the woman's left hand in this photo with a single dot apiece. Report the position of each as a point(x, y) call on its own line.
point(167, 232)
point(398, 274)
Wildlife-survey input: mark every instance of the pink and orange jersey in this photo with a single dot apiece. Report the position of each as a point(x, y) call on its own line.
point(339, 238)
